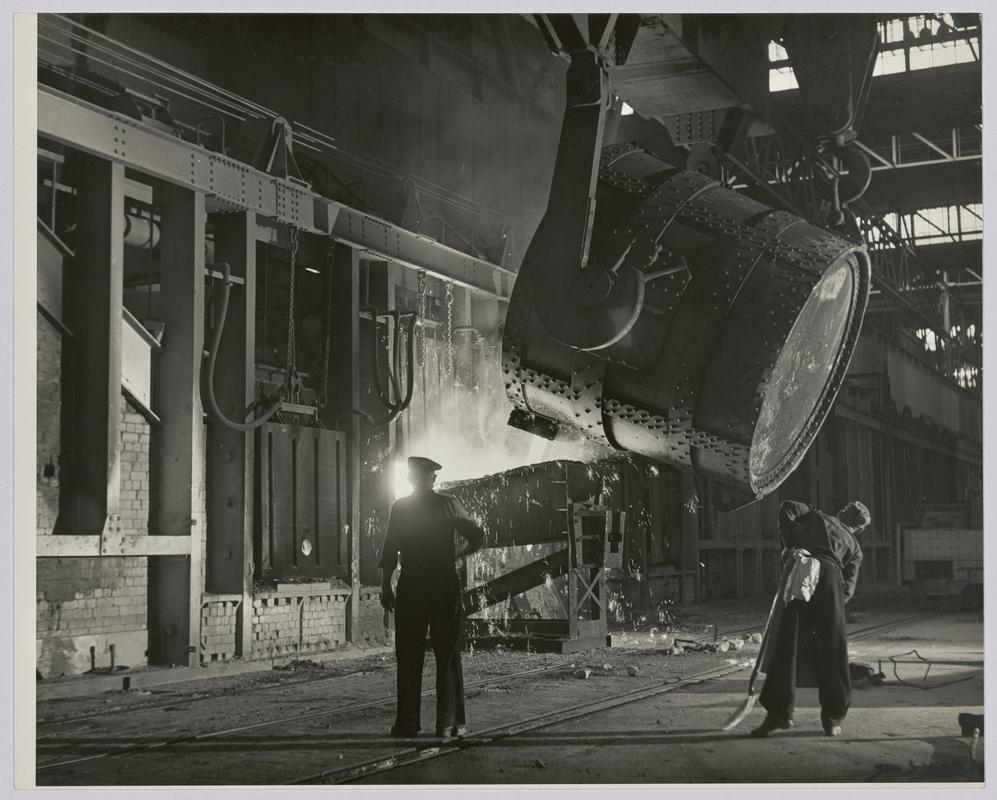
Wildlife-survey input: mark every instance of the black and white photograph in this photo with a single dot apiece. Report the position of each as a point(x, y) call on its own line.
point(481, 399)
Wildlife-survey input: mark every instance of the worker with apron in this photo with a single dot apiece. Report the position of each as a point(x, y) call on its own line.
point(431, 533)
point(816, 624)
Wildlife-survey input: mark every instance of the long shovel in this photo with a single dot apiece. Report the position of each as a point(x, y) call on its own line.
point(764, 656)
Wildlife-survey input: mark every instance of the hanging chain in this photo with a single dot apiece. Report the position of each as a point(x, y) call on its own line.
point(421, 341)
point(421, 344)
point(448, 368)
point(291, 372)
point(323, 397)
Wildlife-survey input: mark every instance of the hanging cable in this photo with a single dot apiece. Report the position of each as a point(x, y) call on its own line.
point(383, 393)
point(213, 357)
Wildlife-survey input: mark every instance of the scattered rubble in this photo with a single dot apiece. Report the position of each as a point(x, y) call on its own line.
point(299, 664)
point(582, 674)
point(693, 646)
point(633, 671)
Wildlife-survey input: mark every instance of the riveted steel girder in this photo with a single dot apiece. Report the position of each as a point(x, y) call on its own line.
point(230, 185)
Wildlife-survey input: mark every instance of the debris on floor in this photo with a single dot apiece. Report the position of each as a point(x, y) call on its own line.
point(721, 646)
point(864, 674)
point(299, 664)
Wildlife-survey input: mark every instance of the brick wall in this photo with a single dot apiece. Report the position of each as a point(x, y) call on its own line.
point(288, 623)
point(135, 434)
point(219, 626)
point(371, 615)
point(84, 602)
point(134, 497)
point(48, 405)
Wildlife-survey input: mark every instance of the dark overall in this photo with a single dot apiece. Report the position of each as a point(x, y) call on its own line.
point(815, 627)
point(428, 598)
point(438, 610)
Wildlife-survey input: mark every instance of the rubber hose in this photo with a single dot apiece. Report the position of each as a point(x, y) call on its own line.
point(213, 357)
point(394, 410)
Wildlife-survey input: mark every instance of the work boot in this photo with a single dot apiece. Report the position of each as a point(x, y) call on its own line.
point(832, 727)
point(451, 733)
point(770, 724)
point(403, 733)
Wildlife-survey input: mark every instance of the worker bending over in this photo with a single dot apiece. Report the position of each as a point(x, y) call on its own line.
point(817, 622)
point(431, 533)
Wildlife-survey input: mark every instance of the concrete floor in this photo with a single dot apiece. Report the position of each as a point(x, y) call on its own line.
point(334, 716)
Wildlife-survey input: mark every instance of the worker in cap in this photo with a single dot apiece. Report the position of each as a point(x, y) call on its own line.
point(430, 533)
point(814, 626)
point(421, 466)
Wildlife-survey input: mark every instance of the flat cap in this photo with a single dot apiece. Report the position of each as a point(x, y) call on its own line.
point(420, 464)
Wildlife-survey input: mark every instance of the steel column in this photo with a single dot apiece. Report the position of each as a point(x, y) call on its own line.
point(231, 453)
point(689, 528)
point(344, 398)
point(89, 501)
point(176, 582)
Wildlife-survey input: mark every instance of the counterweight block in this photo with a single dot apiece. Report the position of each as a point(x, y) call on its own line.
point(731, 366)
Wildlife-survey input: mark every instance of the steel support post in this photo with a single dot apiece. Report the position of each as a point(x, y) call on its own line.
point(574, 558)
point(231, 453)
point(176, 582)
point(344, 397)
point(689, 531)
point(92, 363)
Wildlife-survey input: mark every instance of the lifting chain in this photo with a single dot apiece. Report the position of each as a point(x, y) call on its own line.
point(448, 368)
point(292, 382)
point(421, 342)
point(421, 351)
point(323, 397)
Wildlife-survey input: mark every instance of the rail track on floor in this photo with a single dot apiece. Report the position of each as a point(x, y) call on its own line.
point(405, 753)
point(425, 752)
point(866, 632)
point(323, 714)
point(209, 694)
point(174, 701)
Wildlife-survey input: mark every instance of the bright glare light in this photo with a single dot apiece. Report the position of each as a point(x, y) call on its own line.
point(402, 487)
point(537, 448)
